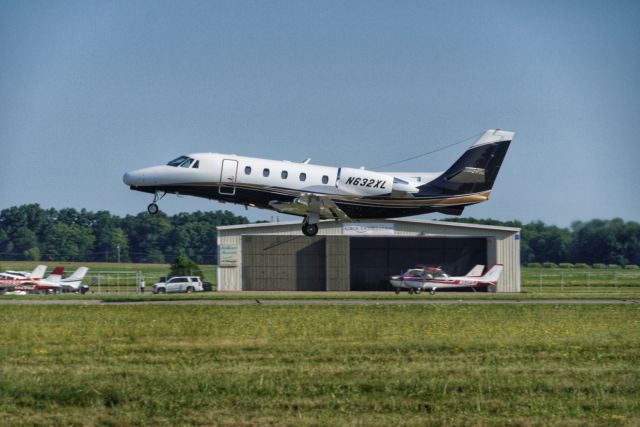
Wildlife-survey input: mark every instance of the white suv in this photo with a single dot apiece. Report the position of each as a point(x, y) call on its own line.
point(179, 284)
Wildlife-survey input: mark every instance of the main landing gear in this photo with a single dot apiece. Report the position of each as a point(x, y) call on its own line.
point(153, 206)
point(309, 230)
point(310, 225)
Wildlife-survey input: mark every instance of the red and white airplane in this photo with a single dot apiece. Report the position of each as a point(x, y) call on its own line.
point(20, 281)
point(423, 278)
point(17, 281)
point(37, 273)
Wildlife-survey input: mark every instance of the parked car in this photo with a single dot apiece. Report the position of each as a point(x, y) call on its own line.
point(178, 284)
point(207, 286)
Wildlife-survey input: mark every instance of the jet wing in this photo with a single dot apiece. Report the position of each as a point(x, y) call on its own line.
point(311, 204)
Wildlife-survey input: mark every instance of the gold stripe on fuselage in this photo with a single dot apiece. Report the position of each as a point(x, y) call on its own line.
point(464, 199)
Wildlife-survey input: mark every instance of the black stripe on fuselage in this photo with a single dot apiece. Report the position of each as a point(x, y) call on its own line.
point(260, 197)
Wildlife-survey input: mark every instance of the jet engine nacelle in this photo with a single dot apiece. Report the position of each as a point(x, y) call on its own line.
point(362, 182)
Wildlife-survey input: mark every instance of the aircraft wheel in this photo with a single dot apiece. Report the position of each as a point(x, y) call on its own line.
point(309, 229)
point(410, 291)
point(418, 290)
point(153, 208)
point(397, 290)
point(432, 292)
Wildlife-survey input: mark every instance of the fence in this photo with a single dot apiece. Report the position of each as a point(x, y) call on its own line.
point(122, 282)
point(567, 280)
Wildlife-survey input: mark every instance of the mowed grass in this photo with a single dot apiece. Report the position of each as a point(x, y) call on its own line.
point(320, 365)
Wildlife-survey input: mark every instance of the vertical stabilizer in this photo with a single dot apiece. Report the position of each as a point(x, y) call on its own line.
point(493, 274)
point(38, 272)
point(476, 170)
point(56, 275)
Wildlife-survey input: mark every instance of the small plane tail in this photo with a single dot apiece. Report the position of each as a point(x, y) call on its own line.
point(492, 275)
point(474, 173)
point(38, 272)
point(78, 274)
point(476, 271)
point(75, 280)
point(56, 275)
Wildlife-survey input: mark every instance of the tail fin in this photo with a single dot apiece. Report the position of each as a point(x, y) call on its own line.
point(38, 272)
point(75, 280)
point(476, 271)
point(77, 275)
point(492, 275)
point(56, 275)
point(476, 170)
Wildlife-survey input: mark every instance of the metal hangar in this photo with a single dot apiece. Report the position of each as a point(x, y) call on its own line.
point(358, 256)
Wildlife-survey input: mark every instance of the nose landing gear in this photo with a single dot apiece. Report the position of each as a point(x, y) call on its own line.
point(153, 206)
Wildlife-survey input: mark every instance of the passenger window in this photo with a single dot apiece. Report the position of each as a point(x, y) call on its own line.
point(247, 170)
point(196, 165)
point(265, 172)
point(284, 174)
point(325, 179)
point(303, 176)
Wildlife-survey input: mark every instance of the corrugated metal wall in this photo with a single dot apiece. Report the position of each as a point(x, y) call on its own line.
point(283, 263)
point(337, 263)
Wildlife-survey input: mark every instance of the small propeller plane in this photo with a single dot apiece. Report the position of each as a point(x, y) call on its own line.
point(422, 278)
point(325, 192)
point(54, 282)
point(37, 273)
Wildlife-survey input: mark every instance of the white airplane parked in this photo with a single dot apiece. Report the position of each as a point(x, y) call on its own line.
point(33, 282)
point(37, 273)
point(419, 279)
point(74, 282)
point(325, 192)
point(54, 282)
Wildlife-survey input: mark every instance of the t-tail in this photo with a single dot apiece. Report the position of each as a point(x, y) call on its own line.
point(470, 179)
point(492, 275)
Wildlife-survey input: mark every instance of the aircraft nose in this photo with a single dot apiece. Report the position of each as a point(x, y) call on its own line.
point(133, 178)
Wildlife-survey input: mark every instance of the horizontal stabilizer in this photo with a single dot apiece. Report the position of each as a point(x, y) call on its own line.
point(467, 175)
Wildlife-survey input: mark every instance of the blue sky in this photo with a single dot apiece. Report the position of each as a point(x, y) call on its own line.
point(89, 90)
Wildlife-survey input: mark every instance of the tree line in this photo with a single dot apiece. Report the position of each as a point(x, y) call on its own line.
point(29, 232)
point(597, 241)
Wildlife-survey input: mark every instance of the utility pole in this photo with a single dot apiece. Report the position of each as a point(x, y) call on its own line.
point(118, 247)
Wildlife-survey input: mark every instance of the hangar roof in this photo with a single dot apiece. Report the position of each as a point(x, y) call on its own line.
point(409, 221)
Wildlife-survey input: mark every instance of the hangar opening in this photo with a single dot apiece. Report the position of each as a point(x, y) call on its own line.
point(374, 259)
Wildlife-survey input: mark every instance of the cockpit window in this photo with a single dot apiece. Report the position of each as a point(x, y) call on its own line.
point(176, 162)
point(196, 165)
point(184, 162)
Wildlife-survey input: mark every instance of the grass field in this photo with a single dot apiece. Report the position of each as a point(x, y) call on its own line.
point(320, 365)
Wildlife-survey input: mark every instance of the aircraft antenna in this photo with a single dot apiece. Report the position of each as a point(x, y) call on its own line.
point(428, 152)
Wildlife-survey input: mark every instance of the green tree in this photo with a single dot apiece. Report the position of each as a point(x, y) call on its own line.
point(69, 242)
point(183, 266)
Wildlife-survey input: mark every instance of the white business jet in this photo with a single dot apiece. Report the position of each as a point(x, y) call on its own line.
point(325, 192)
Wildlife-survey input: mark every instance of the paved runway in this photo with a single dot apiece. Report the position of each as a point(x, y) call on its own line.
point(318, 302)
